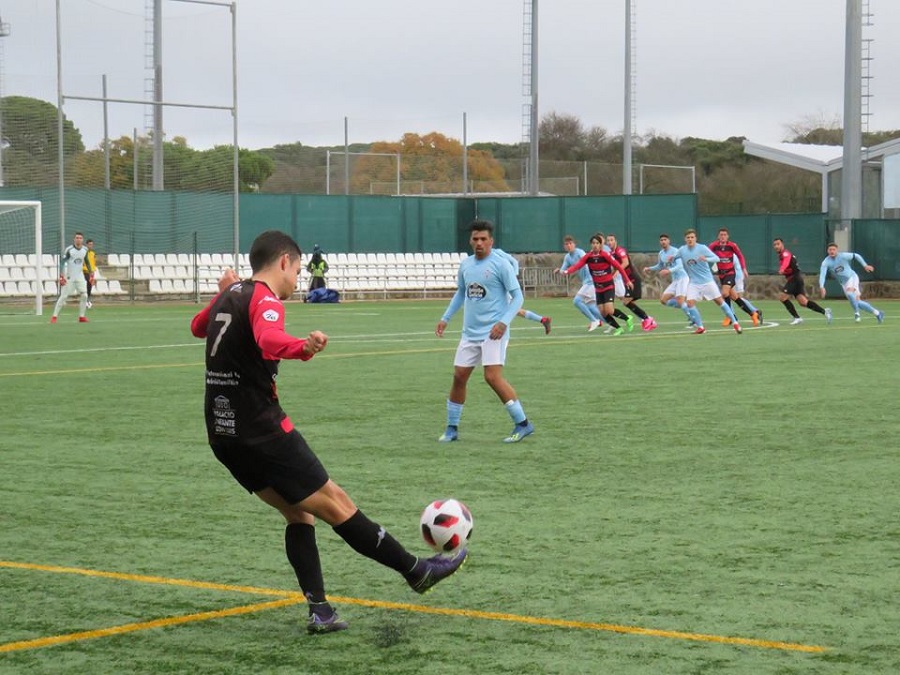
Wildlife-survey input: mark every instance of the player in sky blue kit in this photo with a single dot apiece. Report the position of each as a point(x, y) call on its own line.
point(545, 321)
point(697, 259)
point(585, 299)
point(840, 265)
point(490, 296)
point(737, 294)
point(675, 293)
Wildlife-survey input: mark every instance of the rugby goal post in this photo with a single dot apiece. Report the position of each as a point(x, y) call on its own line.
point(22, 249)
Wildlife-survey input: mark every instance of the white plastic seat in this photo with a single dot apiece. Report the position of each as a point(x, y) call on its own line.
point(8, 288)
point(155, 286)
point(50, 288)
point(165, 285)
point(48, 260)
point(217, 259)
point(29, 273)
point(25, 288)
point(22, 260)
point(8, 260)
point(16, 273)
point(4, 274)
point(114, 287)
point(178, 286)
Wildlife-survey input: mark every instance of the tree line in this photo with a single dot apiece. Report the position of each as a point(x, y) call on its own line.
point(728, 181)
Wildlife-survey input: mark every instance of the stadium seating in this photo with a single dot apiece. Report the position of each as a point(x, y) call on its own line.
point(355, 275)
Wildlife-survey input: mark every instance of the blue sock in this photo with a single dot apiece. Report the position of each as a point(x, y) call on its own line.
point(531, 316)
point(514, 408)
point(694, 313)
point(583, 308)
point(454, 413)
point(671, 302)
point(686, 310)
point(595, 312)
point(862, 304)
point(726, 310)
point(749, 305)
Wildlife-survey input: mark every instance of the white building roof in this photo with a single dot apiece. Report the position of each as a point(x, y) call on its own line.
point(818, 158)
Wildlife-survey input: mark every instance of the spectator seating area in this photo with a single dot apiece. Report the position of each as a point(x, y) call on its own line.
point(355, 275)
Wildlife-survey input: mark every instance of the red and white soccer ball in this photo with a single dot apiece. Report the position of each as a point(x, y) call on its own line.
point(446, 525)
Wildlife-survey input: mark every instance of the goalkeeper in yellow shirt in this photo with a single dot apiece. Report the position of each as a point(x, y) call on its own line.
point(89, 268)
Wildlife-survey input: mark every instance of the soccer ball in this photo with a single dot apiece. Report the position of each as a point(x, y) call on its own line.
point(446, 525)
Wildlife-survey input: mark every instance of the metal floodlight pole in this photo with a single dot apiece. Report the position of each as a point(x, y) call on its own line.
point(346, 157)
point(236, 215)
point(851, 171)
point(106, 178)
point(627, 132)
point(60, 154)
point(465, 159)
point(534, 152)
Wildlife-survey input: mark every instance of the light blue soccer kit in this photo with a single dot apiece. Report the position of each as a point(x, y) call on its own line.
point(700, 274)
point(678, 277)
point(841, 268)
point(489, 292)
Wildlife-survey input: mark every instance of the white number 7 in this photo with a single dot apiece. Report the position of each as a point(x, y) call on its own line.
point(225, 319)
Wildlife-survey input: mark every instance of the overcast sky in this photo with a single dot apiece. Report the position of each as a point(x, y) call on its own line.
point(708, 68)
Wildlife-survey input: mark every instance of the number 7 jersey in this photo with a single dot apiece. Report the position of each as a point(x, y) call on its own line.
point(245, 342)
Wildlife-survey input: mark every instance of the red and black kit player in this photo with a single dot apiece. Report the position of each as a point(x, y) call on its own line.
point(793, 284)
point(728, 251)
point(629, 296)
point(255, 439)
point(603, 269)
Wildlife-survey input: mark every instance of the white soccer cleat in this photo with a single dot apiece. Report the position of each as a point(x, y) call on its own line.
point(857, 318)
point(797, 321)
point(607, 329)
point(828, 316)
point(594, 325)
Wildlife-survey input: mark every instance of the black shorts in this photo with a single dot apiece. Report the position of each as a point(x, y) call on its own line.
point(728, 279)
point(634, 293)
point(286, 464)
point(609, 295)
point(794, 286)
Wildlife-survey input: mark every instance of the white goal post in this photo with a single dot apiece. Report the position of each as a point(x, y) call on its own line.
point(22, 249)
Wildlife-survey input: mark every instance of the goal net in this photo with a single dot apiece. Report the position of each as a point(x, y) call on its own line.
point(26, 274)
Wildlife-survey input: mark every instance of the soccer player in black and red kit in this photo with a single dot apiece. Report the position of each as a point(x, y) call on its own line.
point(255, 439)
point(793, 284)
point(727, 251)
point(603, 270)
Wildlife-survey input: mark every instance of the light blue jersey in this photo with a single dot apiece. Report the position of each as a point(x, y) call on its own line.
point(667, 261)
point(489, 292)
point(841, 267)
point(510, 258)
point(698, 271)
point(571, 258)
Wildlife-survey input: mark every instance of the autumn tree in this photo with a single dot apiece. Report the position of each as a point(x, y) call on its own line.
point(433, 160)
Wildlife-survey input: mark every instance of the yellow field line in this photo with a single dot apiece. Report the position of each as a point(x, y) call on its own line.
point(150, 579)
point(294, 597)
point(145, 625)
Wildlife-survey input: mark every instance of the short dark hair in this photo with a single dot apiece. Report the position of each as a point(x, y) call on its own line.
point(89, 241)
point(778, 239)
point(723, 229)
point(271, 245)
point(598, 236)
point(78, 233)
point(481, 226)
point(830, 244)
point(569, 237)
point(666, 236)
point(690, 230)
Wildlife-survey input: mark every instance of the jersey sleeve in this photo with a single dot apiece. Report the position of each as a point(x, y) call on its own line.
point(267, 320)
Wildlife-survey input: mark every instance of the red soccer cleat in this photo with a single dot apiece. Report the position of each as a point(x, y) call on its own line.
point(52, 319)
point(700, 330)
point(82, 319)
point(737, 328)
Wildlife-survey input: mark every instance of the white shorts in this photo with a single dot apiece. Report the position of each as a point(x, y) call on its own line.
point(708, 291)
point(739, 285)
point(851, 287)
point(488, 353)
point(587, 292)
point(678, 288)
point(74, 286)
point(620, 286)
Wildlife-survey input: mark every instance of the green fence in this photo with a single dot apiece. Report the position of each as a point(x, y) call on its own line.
point(123, 221)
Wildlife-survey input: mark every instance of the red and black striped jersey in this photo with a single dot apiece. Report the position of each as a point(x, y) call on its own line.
point(727, 252)
point(602, 267)
point(245, 341)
